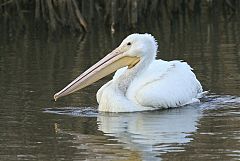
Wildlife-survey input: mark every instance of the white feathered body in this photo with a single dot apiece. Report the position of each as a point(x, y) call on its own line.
point(163, 84)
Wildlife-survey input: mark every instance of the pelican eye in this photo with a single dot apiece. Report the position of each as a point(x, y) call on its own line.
point(129, 43)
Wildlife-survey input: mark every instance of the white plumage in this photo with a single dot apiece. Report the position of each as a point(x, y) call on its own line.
point(164, 84)
point(152, 84)
point(145, 84)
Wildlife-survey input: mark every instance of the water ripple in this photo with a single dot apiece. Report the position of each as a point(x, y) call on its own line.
point(74, 111)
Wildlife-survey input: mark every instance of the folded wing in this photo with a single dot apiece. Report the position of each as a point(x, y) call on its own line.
point(164, 84)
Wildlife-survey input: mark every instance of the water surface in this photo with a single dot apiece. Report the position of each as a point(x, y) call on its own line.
point(34, 65)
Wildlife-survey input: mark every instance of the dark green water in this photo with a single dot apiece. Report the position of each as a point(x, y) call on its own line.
point(34, 65)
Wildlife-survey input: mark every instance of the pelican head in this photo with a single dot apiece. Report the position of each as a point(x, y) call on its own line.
point(133, 50)
point(139, 45)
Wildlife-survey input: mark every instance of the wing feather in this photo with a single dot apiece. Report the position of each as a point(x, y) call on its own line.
point(165, 84)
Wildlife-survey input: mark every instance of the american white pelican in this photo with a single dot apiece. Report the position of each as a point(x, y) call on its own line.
point(142, 83)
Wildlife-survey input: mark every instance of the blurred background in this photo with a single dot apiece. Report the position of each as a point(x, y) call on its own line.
point(45, 44)
point(115, 15)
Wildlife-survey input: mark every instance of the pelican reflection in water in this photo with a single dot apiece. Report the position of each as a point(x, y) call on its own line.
point(141, 82)
point(146, 135)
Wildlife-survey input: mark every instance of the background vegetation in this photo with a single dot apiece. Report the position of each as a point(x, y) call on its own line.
point(82, 15)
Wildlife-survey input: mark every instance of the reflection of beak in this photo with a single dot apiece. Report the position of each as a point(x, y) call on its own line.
point(104, 67)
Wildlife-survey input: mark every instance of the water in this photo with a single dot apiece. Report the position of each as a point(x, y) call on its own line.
point(34, 65)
